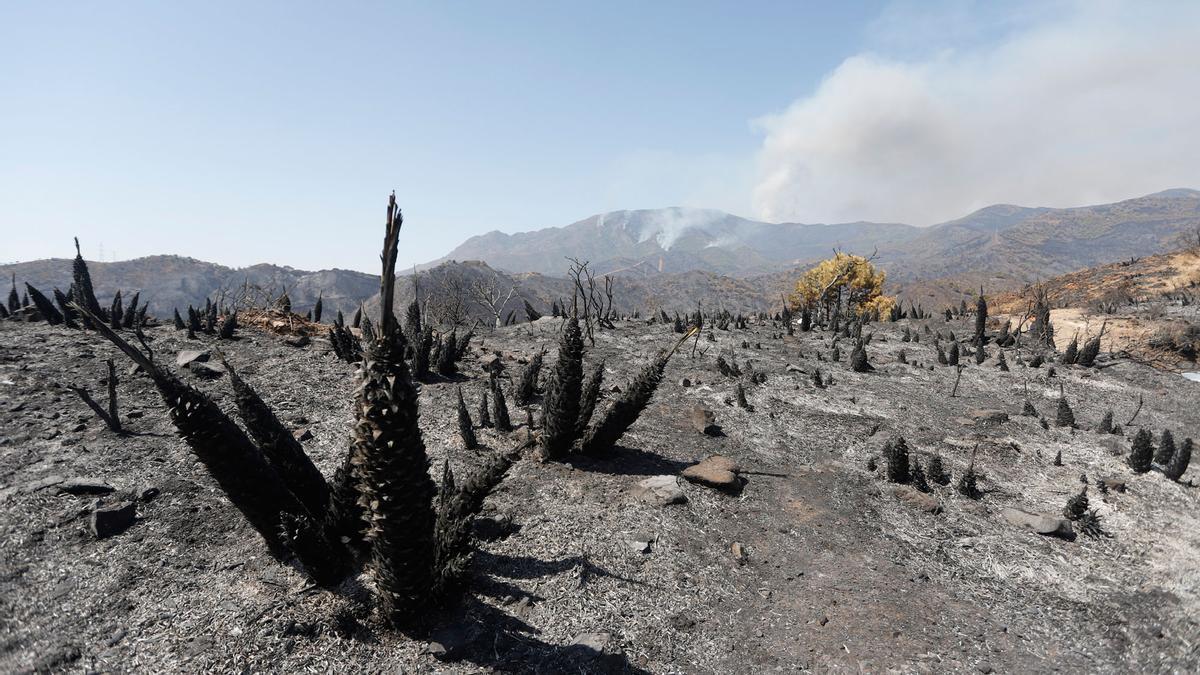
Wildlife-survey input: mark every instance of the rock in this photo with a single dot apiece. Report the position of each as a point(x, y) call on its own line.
point(596, 642)
point(85, 486)
point(135, 414)
point(639, 542)
point(133, 370)
point(451, 641)
point(43, 483)
point(496, 528)
point(984, 667)
point(111, 520)
point(492, 363)
point(148, 493)
point(739, 552)
point(208, 371)
point(190, 356)
point(1112, 484)
point(685, 382)
point(917, 499)
point(659, 491)
point(712, 476)
point(302, 434)
point(703, 420)
point(722, 462)
point(988, 416)
point(794, 369)
point(1038, 522)
point(301, 341)
point(1116, 445)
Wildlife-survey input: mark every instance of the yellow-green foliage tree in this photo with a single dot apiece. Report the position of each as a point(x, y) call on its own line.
point(846, 282)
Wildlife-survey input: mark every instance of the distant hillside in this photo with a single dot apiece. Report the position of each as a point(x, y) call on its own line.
point(1000, 246)
point(168, 281)
point(675, 240)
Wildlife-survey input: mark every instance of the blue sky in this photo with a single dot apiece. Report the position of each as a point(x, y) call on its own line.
point(243, 132)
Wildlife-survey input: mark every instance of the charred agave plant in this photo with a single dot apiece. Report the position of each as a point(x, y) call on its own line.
point(414, 539)
point(560, 422)
point(624, 410)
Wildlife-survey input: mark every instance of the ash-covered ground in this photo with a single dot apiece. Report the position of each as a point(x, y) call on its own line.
point(815, 563)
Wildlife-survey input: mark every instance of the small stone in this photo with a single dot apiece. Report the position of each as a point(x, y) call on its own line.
point(639, 542)
point(685, 382)
point(111, 520)
point(492, 363)
point(301, 341)
point(208, 371)
point(917, 499)
point(988, 416)
point(190, 356)
point(596, 642)
point(43, 483)
point(659, 491)
point(135, 414)
point(302, 435)
point(794, 369)
point(984, 667)
point(739, 552)
point(85, 486)
point(148, 493)
point(722, 462)
point(712, 476)
point(1038, 522)
point(1113, 484)
point(703, 420)
point(133, 370)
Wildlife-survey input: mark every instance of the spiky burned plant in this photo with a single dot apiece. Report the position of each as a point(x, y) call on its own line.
point(1166, 449)
point(230, 457)
point(46, 308)
point(527, 384)
point(1141, 453)
point(1106, 424)
point(858, 357)
point(485, 418)
point(465, 428)
point(501, 420)
point(63, 300)
point(389, 461)
point(1064, 416)
point(85, 296)
point(560, 412)
point(1179, 461)
point(936, 471)
point(1090, 350)
point(1076, 506)
point(589, 397)
point(624, 410)
point(917, 476)
point(895, 453)
point(968, 484)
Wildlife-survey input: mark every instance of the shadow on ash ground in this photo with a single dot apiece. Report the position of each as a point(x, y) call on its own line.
point(839, 575)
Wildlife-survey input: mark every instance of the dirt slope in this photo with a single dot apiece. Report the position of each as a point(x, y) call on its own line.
point(838, 575)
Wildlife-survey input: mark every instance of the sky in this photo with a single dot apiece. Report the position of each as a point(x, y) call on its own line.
point(247, 132)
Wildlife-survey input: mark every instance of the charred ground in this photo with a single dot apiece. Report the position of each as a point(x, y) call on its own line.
point(815, 560)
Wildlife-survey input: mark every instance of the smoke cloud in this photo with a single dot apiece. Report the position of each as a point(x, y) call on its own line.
point(1097, 103)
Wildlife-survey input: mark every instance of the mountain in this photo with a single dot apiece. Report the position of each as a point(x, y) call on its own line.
point(675, 240)
point(675, 258)
point(1001, 244)
point(168, 281)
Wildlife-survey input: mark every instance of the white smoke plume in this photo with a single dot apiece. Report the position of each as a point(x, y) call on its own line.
point(1096, 103)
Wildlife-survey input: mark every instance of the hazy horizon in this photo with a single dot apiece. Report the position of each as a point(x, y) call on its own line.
point(273, 133)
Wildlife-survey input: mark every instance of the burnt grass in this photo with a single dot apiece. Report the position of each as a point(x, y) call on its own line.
point(838, 573)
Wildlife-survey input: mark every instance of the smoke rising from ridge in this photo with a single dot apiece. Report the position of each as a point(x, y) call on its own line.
point(1099, 103)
